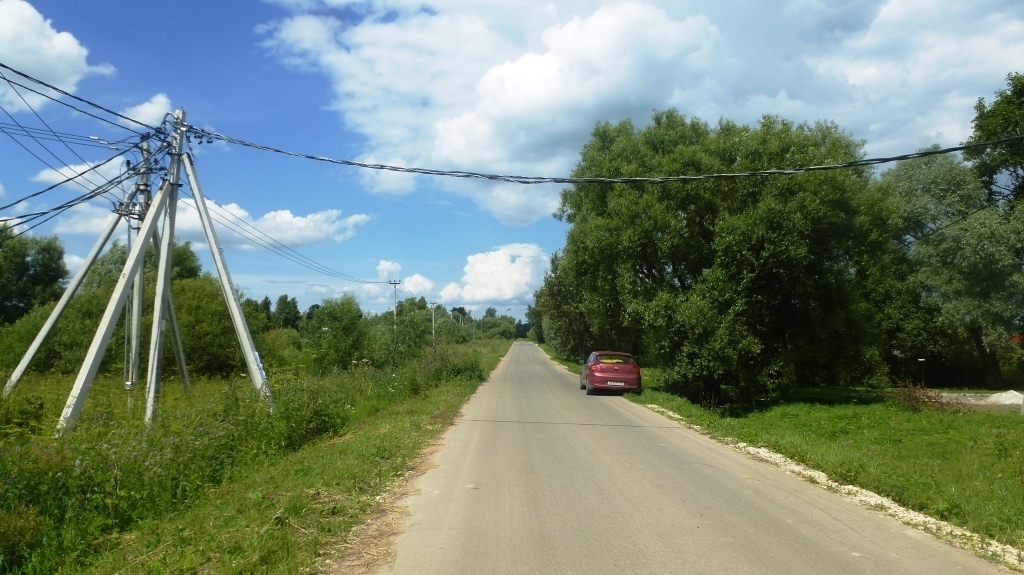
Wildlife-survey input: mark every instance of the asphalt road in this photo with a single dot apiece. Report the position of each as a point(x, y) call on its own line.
point(537, 477)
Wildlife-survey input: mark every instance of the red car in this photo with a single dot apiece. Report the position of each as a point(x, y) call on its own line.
point(612, 370)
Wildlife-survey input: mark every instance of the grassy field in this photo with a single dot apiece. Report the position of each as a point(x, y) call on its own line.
point(218, 485)
point(964, 467)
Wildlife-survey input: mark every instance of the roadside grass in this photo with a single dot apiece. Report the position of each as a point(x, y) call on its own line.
point(963, 467)
point(218, 485)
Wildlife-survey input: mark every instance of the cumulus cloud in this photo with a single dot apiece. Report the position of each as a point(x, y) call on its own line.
point(73, 263)
point(151, 112)
point(29, 42)
point(88, 174)
point(509, 273)
point(917, 69)
point(388, 270)
point(281, 225)
point(85, 219)
point(515, 88)
point(418, 285)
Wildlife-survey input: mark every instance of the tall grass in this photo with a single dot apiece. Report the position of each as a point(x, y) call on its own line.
point(58, 497)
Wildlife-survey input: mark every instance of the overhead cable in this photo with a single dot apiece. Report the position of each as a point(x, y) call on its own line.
point(65, 180)
point(239, 225)
point(208, 135)
point(82, 100)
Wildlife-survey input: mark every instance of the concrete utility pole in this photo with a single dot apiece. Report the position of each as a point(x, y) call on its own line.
point(395, 284)
point(433, 337)
point(160, 208)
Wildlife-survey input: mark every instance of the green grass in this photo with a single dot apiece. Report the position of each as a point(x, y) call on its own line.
point(218, 485)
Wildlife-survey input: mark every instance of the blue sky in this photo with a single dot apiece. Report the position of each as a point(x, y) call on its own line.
point(497, 87)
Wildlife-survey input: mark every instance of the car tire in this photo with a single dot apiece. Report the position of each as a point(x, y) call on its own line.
point(590, 390)
point(583, 385)
point(638, 391)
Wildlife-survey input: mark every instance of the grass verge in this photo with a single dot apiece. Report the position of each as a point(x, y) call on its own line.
point(271, 509)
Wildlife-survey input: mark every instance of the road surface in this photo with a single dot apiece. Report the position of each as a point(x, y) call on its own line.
point(537, 477)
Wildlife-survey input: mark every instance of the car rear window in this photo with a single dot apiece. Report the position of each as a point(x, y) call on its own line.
point(614, 359)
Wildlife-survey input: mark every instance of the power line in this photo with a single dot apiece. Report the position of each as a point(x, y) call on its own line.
point(82, 100)
point(42, 145)
point(17, 130)
point(529, 180)
point(56, 211)
point(66, 180)
point(275, 246)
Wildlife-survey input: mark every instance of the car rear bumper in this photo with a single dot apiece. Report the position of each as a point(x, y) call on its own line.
point(615, 383)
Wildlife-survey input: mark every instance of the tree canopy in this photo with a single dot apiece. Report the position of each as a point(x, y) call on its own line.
point(748, 287)
point(32, 272)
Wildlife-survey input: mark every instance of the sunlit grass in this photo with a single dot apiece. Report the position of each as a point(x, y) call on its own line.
point(143, 496)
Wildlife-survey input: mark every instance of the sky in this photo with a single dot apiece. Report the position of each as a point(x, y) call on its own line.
point(497, 87)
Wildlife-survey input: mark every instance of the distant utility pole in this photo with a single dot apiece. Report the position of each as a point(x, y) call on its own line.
point(395, 284)
point(433, 337)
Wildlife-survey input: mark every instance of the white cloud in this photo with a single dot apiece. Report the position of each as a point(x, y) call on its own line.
point(86, 174)
point(151, 112)
point(510, 273)
point(515, 88)
point(73, 263)
point(87, 220)
point(418, 285)
point(918, 68)
point(460, 88)
point(381, 292)
point(29, 43)
point(234, 226)
point(388, 270)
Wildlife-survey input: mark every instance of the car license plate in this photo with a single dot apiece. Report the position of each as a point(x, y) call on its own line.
point(616, 383)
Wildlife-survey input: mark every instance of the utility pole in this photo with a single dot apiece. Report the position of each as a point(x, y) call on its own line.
point(156, 211)
point(395, 284)
point(433, 336)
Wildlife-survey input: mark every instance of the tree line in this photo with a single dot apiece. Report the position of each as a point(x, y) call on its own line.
point(334, 335)
point(744, 288)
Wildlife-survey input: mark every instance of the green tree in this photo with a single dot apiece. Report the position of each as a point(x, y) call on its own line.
point(1001, 166)
point(334, 336)
point(967, 254)
point(32, 272)
point(286, 313)
point(208, 337)
point(734, 282)
point(535, 319)
point(490, 312)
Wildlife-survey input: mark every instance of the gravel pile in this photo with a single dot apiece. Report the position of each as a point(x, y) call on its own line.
point(1007, 398)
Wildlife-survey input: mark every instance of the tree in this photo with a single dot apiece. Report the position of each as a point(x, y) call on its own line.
point(490, 312)
point(733, 282)
point(286, 313)
point(335, 334)
point(1001, 166)
point(534, 319)
point(207, 334)
point(967, 253)
point(32, 272)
